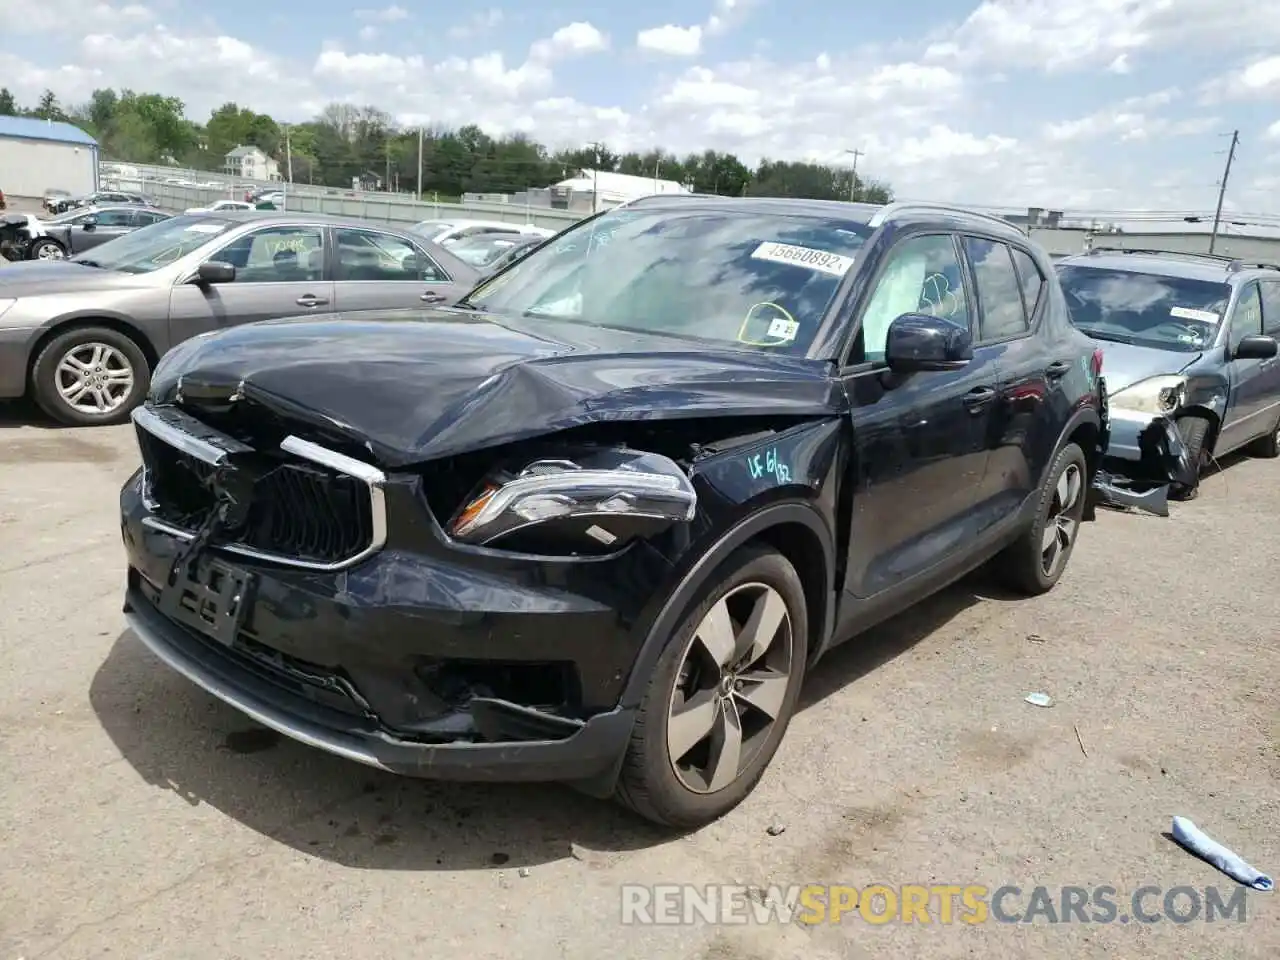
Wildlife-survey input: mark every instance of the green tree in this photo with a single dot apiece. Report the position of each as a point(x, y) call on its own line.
point(8, 105)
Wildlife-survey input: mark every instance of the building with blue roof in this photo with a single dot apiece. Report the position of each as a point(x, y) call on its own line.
point(38, 155)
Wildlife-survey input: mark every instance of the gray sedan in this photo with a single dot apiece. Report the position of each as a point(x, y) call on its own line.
point(83, 335)
point(82, 230)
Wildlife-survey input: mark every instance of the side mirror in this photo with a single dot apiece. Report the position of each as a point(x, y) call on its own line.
point(89, 222)
point(215, 271)
point(1255, 348)
point(918, 342)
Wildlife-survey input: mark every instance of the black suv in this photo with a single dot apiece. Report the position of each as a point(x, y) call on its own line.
point(595, 523)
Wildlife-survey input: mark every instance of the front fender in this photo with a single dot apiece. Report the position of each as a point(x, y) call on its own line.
point(679, 599)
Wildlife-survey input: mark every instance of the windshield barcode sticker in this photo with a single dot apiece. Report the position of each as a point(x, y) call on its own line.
point(1186, 313)
point(820, 260)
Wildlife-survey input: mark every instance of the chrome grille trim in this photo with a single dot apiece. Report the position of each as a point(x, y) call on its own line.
point(372, 478)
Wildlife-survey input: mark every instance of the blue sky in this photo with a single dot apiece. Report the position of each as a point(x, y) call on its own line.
point(1098, 105)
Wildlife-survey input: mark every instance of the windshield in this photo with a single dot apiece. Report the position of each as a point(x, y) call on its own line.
point(1147, 309)
point(432, 228)
point(482, 251)
point(158, 245)
point(740, 278)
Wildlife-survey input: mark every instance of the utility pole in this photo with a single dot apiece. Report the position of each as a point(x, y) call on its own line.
point(420, 135)
point(288, 153)
point(595, 177)
point(853, 175)
point(1222, 190)
point(386, 184)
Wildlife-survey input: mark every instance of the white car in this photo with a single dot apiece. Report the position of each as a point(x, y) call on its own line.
point(446, 232)
point(221, 205)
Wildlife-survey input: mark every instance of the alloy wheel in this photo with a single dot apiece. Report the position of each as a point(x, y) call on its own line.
point(50, 251)
point(731, 688)
point(1061, 524)
point(94, 378)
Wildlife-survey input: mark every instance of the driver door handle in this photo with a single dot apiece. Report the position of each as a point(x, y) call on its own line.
point(310, 300)
point(433, 296)
point(978, 398)
point(1057, 369)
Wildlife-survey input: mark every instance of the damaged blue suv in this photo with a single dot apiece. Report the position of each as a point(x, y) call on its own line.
point(1189, 339)
point(596, 522)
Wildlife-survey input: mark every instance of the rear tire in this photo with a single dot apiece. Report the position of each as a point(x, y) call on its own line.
point(1268, 447)
point(1034, 563)
point(670, 774)
point(106, 362)
point(1195, 433)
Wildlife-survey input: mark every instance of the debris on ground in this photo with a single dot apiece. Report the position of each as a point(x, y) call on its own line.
point(1080, 740)
point(1035, 638)
point(523, 872)
point(1194, 840)
point(776, 829)
point(1039, 699)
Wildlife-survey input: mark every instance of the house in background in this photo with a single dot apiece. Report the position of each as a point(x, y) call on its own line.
point(250, 163)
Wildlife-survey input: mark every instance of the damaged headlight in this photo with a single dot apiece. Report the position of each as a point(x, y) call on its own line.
point(600, 499)
point(1158, 396)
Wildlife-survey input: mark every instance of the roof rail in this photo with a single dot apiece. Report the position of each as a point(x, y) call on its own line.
point(1162, 253)
point(897, 207)
point(1237, 265)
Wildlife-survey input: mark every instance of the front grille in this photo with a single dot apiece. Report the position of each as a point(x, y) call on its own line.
point(299, 512)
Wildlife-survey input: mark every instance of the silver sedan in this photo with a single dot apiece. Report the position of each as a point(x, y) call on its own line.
point(83, 335)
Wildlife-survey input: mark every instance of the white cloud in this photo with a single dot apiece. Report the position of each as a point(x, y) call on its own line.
point(1260, 78)
point(1052, 35)
point(390, 14)
point(1273, 131)
point(671, 40)
point(573, 40)
point(1131, 119)
point(70, 16)
point(1120, 65)
point(368, 32)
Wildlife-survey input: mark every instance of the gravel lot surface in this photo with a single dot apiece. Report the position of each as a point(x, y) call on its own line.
point(144, 819)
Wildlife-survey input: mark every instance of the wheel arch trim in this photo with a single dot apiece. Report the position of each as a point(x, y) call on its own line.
point(673, 608)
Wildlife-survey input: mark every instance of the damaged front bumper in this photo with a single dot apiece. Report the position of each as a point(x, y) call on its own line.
point(1145, 456)
point(380, 663)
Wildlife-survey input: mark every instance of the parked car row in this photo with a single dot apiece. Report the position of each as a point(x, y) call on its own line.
point(129, 301)
point(593, 516)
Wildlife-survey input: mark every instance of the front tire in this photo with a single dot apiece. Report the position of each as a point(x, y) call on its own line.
point(1195, 434)
point(721, 696)
point(1034, 563)
point(46, 249)
point(90, 377)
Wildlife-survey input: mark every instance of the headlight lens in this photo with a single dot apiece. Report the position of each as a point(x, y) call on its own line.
point(1157, 396)
point(598, 500)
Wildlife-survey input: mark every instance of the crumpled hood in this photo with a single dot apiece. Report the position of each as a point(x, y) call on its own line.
point(418, 385)
point(1125, 364)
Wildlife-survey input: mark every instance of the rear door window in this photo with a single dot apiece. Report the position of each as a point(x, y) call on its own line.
point(1001, 313)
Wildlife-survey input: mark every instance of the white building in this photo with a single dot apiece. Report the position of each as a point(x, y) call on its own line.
point(38, 155)
point(609, 189)
point(250, 163)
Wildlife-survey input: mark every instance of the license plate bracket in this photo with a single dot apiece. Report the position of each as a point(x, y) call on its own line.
point(211, 597)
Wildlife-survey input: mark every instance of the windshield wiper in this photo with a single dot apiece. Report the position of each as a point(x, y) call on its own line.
point(1104, 335)
point(90, 263)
